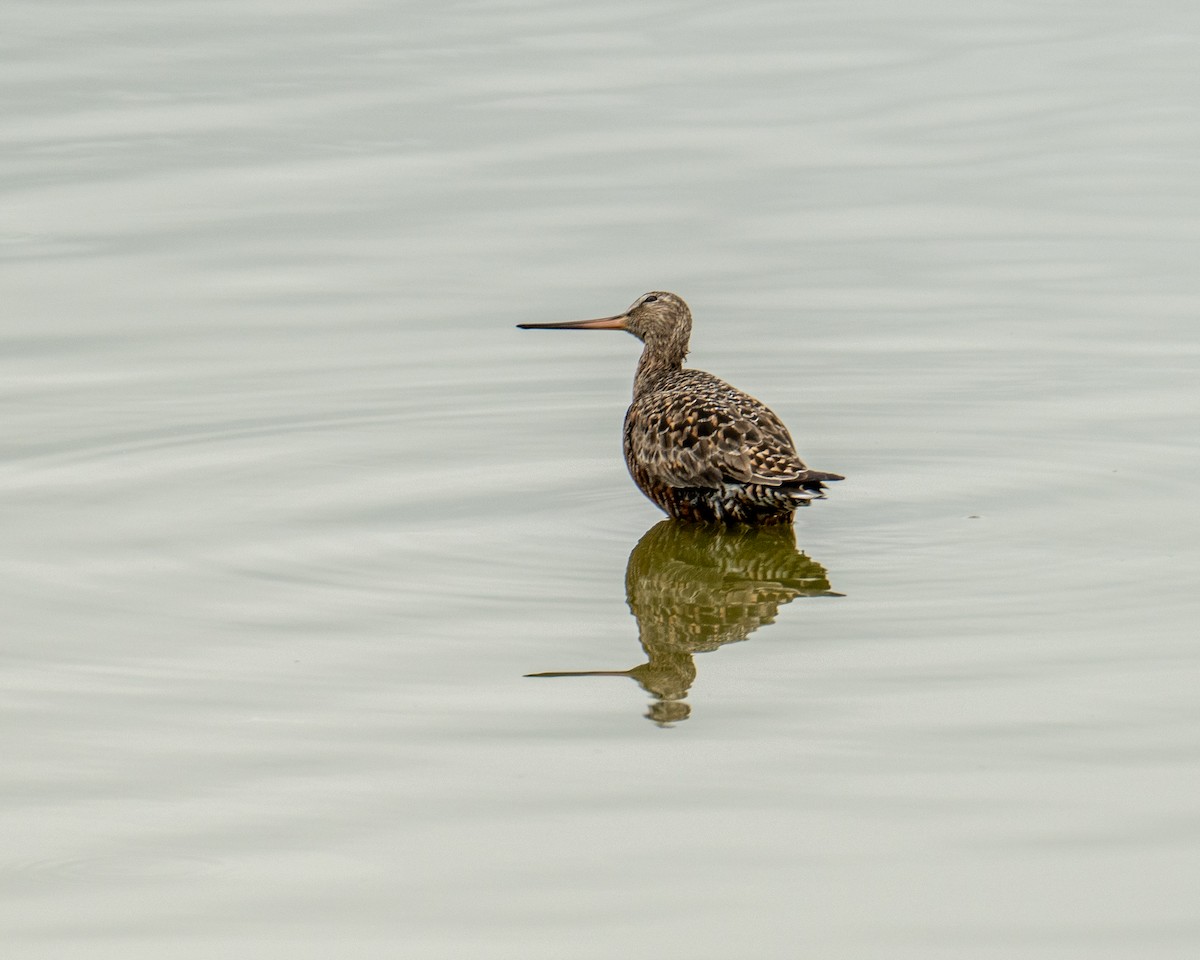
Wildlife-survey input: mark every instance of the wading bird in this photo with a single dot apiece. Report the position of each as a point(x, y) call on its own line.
point(701, 449)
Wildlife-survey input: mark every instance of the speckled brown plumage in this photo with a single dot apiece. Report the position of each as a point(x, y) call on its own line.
point(699, 448)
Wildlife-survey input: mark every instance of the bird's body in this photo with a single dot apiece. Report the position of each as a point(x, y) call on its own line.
point(699, 448)
point(705, 451)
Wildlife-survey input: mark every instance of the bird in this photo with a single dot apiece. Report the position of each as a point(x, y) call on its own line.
point(697, 447)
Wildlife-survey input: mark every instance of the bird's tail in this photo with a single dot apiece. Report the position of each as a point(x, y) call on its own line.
point(811, 486)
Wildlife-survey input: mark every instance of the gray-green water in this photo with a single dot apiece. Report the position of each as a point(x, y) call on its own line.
point(290, 509)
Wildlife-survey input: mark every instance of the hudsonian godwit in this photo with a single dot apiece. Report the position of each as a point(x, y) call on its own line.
point(699, 448)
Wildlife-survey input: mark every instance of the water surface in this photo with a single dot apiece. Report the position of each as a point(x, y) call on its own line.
point(291, 510)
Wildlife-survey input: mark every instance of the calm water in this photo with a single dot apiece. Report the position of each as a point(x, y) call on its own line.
point(290, 509)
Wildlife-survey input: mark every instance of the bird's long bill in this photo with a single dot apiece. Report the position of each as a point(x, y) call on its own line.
point(604, 323)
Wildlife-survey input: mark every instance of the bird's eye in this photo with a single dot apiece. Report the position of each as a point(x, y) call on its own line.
point(649, 299)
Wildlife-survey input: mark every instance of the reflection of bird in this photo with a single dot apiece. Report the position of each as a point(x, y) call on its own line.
point(699, 448)
point(693, 588)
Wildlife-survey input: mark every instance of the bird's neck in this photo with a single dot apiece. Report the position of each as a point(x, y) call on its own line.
point(659, 360)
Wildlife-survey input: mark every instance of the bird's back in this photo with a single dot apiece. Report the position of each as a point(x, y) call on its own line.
point(703, 450)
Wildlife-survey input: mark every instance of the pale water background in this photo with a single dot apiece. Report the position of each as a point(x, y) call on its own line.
point(290, 508)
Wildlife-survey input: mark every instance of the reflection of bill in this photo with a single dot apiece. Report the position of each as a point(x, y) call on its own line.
point(693, 588)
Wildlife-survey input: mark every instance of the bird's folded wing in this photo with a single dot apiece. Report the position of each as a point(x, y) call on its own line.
point(685, 445)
